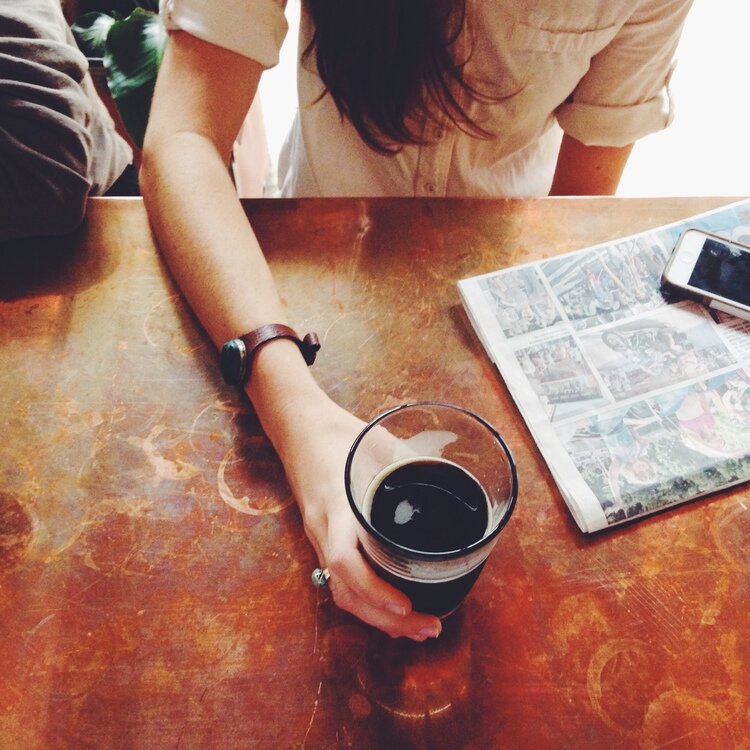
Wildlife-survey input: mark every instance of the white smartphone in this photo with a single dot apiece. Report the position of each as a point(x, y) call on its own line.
point(711, 269)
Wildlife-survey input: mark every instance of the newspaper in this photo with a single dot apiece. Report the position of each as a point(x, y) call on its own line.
point(637, 402)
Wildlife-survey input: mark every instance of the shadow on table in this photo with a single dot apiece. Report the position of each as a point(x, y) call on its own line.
point(52, 265)
point(403, 694)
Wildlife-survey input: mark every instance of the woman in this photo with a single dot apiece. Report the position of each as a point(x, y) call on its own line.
point(426, 97)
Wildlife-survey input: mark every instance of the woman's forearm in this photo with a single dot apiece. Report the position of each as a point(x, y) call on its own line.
point(217, 262)
point(206, 238)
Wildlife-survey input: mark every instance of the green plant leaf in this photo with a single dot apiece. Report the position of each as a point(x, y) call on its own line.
point(134, 50)
point(90, 32)
point(133, 54)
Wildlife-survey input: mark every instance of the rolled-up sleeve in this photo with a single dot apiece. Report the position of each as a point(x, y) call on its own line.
point(625, 93)
point(252, 28)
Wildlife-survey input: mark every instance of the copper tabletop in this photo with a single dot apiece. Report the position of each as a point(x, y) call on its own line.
point(154, 574)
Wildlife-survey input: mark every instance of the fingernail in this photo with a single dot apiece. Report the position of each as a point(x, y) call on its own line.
point(397, 609)
point(429, 632)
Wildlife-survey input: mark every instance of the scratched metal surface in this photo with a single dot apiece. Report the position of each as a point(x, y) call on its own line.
point(154, 574)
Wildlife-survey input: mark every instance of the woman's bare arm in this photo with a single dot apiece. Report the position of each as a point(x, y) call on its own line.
point(588, 170)
point(202, 95)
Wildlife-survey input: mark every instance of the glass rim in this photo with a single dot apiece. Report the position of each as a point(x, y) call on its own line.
point(423, 554)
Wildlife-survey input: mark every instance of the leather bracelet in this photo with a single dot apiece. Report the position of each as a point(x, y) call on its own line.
point(237, 355)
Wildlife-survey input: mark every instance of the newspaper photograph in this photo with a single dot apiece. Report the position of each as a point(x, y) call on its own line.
point(636, 401)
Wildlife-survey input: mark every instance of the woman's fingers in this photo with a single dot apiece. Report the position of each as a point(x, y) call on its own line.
point(357, 589)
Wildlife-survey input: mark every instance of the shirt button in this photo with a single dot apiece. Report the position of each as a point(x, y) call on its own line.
point(429, 187)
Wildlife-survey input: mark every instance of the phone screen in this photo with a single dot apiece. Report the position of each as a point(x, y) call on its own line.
point(723, 270)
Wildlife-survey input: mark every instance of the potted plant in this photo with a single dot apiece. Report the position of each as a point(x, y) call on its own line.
point(124, 45)
point(124, 41)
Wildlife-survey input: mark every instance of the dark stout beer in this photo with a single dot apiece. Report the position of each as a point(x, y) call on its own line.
point(429, 505)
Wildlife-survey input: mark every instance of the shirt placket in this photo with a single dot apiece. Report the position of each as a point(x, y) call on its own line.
point(434, 160)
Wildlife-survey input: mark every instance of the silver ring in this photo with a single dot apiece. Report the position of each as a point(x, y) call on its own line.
point(320, 576)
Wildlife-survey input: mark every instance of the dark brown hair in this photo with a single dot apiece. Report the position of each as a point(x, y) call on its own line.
point(388, 64)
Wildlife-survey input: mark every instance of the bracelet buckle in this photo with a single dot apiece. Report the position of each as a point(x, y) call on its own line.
point(237, 354)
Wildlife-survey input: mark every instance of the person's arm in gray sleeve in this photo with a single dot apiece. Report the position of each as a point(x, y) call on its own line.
point(57, 144)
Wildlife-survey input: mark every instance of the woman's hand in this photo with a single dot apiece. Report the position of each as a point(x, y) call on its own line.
point(314, 453)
